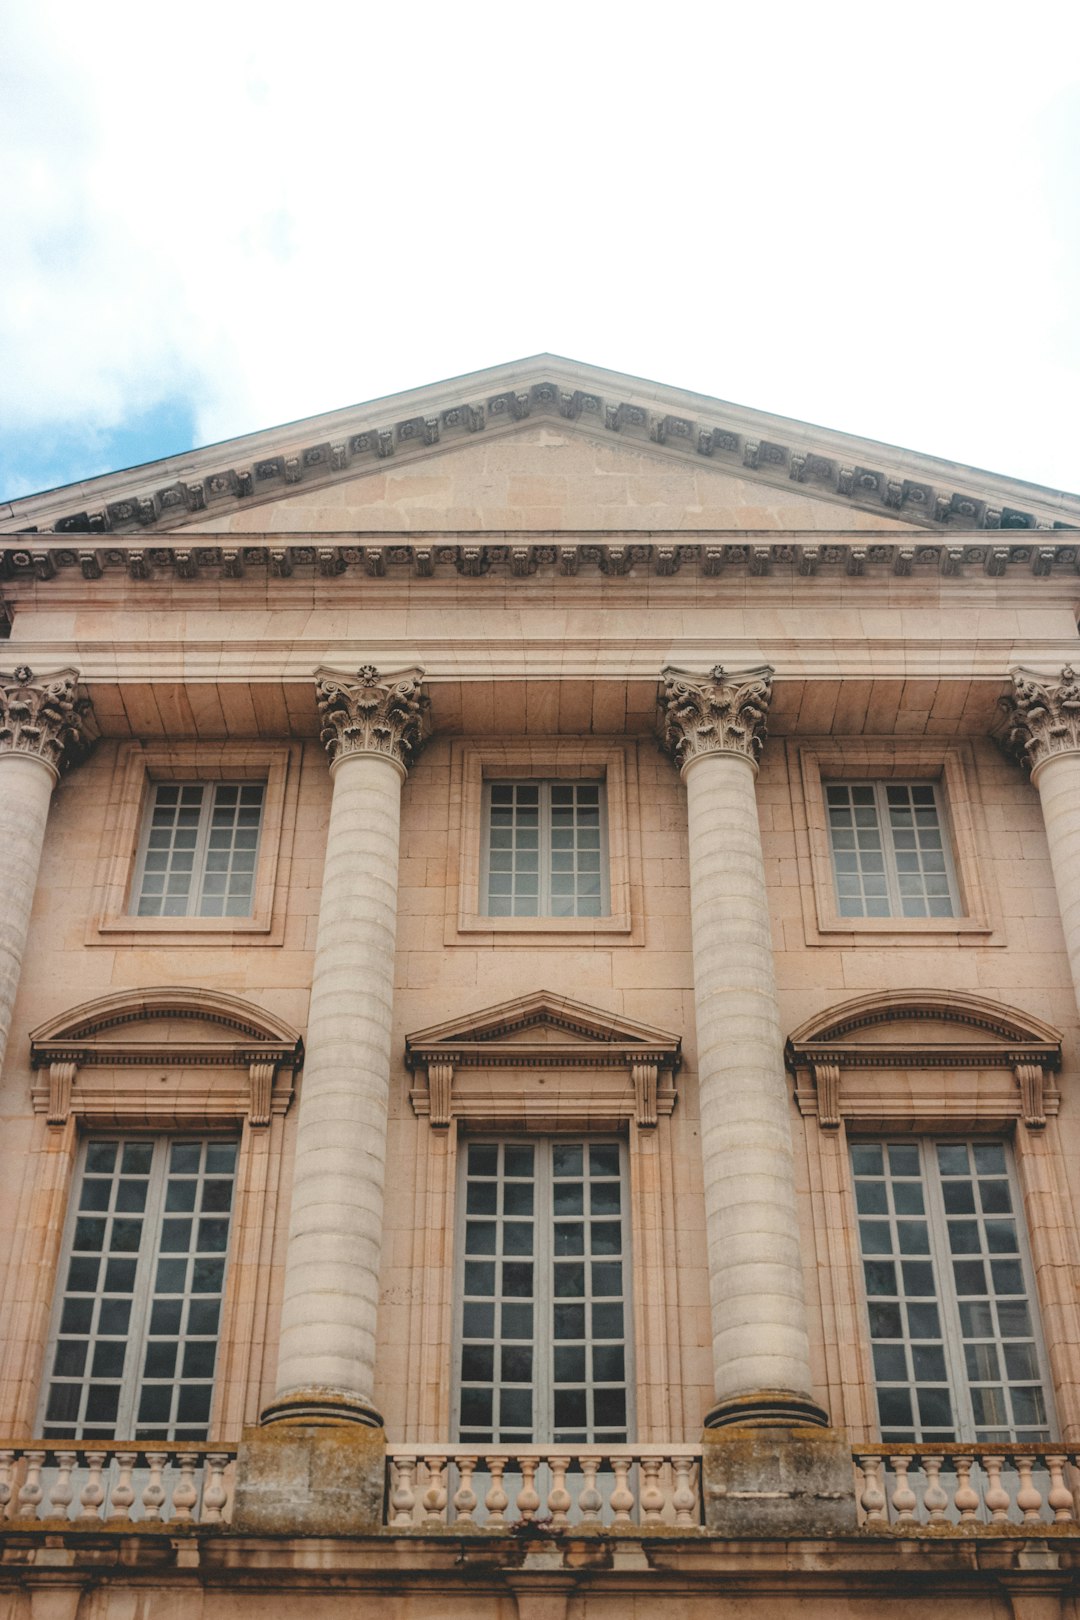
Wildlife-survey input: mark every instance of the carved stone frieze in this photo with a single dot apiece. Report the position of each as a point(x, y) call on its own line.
point(44, 716)
point(366, 713)
point(1042, 716)
point(718, 713)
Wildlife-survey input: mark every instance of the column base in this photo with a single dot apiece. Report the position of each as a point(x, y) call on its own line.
point(310, 1480)
point(767, 1409)
point(321, 1408)
point(772, 1481)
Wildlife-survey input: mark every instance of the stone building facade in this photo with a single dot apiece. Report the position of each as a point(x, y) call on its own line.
point(539, 1002)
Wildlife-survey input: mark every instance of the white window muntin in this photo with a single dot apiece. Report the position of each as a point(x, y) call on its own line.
point(136, 1319)
point(949, 1286)
point(579, 1343)
point(890, 850)
point(545, 849)
point(198, 850)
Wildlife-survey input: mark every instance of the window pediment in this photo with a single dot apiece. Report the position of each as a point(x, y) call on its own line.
point(921, 1030)
point(173, 1028)
point(544, 1032)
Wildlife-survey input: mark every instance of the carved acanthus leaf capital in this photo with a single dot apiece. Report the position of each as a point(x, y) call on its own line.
point(43, 715)
point(1042, 716)
point(719, 713)
point(368, 713)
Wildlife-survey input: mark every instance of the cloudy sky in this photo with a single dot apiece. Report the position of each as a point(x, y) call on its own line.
point(221, 217)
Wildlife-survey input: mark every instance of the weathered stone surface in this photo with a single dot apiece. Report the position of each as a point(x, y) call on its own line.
point(778, 1482)
point(296, 1480)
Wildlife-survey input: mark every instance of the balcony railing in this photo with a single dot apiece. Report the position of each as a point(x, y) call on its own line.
point(962, 1486)
point(556, 1488)
point(946, 1489)
point(117, 1484)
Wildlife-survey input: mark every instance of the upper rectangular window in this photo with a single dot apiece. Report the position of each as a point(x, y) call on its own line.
point(135, 1330)
point(543, 1289)
point(545, 850)
point(198, 851)
point(948, 1289)
point(890, 851)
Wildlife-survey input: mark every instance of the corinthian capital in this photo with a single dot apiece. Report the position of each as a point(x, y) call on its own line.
point(368, 713)
point(1042, 716)
point(718, 713)
point(43, 715)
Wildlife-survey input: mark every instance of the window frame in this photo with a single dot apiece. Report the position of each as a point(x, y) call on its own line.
point(545, 897)
point(196, 891)
point(139, 768)
point(543, 1381)
point(880, 786)
point(951, 769)
point(958, 1381)
point(614, 762)
point(143, 1293)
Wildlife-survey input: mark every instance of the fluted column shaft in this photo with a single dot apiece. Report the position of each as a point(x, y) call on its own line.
point(761, 1351)
point(327, 1348)
point(41, 733)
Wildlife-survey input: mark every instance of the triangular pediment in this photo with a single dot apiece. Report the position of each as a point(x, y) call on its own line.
point(541, 445)
point(539, 1028)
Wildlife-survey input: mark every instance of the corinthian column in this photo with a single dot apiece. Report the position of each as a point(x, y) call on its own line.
point(1043, 731)
point(372, 728)
point(714, 729)
point(41, 734)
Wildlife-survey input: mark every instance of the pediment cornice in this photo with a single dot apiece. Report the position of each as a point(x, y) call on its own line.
point(180, 492)
point(512, 1035)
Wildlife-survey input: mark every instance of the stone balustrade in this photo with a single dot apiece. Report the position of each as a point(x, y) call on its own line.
point(116, 1484)
point(498, 1488)
point(958, 1486)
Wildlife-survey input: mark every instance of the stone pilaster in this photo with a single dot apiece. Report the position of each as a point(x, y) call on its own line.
point(714, 728)
point(1042, 730)
point(372, 728)
point(42, 732)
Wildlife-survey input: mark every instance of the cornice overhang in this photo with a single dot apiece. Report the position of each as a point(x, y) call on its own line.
point(522, 555)
point(89, 1034)
point(180, 491)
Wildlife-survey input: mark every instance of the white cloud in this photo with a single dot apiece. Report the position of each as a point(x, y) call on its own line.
point(857, 215)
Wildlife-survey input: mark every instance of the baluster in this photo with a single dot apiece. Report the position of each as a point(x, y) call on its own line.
point(435, 1494)
point(590, 1502)
point(559, 1500)
point(7, 1479)
point(153, 1495)
point(1028, 1497)
point(935, 1501)
point(93, 1492)
point(465, 1497)
point(496, 1501)
point(904, 1500)
point(684, 1500)
point(995, 1497)
point(528, 1500)
point(62, 1493)
point(403, 1490)
point(1059, 1496)
point(185, 1492)
point(215, 1495)
point(651, 1496)
point(32, 1492)
point(965, 1497)
point(122, 1494)
point(872, 1499)
point(622, 1497)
